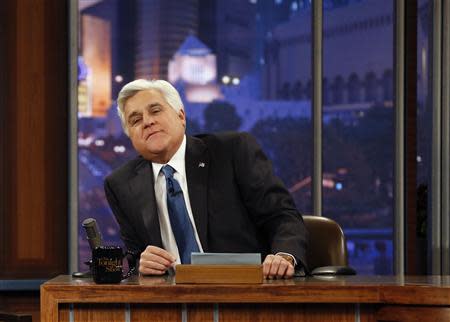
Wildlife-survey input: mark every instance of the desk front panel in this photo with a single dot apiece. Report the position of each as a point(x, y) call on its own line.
point(308, 299)
point(263, 312)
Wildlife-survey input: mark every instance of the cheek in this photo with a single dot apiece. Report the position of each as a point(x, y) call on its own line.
point(135, 138)
point(179, 126)
point(132, 135)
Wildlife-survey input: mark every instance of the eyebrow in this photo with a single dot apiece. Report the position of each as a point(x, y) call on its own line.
point(154, 104)
point(134, 113)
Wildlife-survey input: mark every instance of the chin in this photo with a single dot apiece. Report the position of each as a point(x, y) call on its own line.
point(146, 150)
point(156, 151)
point(156, 148)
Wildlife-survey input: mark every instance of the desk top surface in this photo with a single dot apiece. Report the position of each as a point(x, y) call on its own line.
point(429, 290)
point(315, 281)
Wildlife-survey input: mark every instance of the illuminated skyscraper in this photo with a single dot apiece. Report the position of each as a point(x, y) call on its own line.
point(194, 68)
point(228, 28)
point(161, 27)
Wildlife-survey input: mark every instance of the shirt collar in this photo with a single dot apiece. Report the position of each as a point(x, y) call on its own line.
point(176, 162)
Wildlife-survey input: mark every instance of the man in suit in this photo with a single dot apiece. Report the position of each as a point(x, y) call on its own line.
point(230, 199)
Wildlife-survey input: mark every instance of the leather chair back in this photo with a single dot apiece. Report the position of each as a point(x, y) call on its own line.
point(327, 245)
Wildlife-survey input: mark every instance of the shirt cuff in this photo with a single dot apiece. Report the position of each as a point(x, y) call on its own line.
point(287, 254)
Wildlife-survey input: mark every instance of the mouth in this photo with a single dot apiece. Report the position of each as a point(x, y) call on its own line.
point(149, 135)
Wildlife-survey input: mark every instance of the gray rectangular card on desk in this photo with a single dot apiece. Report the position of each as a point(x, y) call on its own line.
point(225, 259)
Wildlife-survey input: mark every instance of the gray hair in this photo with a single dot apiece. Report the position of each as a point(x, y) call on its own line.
point(169, 93)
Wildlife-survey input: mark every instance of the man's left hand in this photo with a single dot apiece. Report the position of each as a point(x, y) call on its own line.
point(276, 266)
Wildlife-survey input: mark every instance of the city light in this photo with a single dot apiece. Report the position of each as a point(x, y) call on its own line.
point(294, 6)
point(327, 183)
point(119, 149)
point(339, 186)
point(118, 79)
point(85, 141)
point(99, 142)
point(342, 171)
point(226, 79)
point(419, 159)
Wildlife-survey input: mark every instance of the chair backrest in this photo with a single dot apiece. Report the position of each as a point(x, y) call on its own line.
point(327, 245)
point(14, 317)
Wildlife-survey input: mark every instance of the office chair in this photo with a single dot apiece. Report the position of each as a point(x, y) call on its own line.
point(14, 317)
point(327, 250)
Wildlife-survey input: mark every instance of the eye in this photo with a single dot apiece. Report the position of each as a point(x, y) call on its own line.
point(156, 109)
point(134, 121)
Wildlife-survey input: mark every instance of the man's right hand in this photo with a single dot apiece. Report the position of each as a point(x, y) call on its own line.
point(155, 261)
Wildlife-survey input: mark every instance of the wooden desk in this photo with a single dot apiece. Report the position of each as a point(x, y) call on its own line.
point(350, 298)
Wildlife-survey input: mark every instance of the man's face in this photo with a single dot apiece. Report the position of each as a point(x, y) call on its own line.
point(155, 128)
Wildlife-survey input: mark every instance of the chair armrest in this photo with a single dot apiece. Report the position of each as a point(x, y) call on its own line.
point(333, 270)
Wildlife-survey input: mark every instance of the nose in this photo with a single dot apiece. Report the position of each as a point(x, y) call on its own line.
point(148, 119)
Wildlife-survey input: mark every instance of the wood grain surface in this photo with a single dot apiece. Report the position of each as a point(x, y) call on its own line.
point(33, 170)
point(219, 274)
point(347, 298)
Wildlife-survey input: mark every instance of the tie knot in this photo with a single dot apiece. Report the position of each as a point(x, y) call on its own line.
point(168, 171)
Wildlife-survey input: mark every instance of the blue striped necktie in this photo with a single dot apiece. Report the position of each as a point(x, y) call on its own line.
point(179, 217)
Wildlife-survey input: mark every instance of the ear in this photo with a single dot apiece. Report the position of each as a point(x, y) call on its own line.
point(182, 117)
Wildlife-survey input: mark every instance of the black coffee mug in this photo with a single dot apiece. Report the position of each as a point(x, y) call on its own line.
point(107, 264)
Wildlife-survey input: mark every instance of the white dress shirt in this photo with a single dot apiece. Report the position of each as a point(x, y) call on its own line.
point(167, 236)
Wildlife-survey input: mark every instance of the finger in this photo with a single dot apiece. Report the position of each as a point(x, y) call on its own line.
point(159, 255)
point(161, 252)
point(274, 266)
point(282, 268)
point(266, 265)
point(290, 271)
point(157, 259)
point(150, 271)
point(152, 264)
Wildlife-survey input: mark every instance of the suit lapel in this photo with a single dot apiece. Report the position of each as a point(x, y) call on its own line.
point(143, 196)
point(197, 168)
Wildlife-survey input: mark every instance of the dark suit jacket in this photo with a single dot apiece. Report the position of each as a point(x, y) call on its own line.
point(238, 204)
